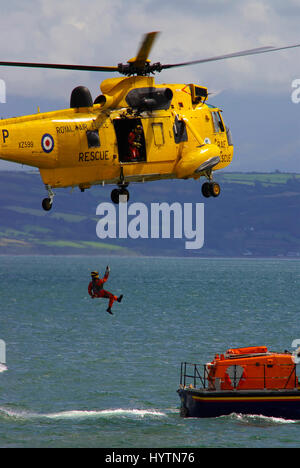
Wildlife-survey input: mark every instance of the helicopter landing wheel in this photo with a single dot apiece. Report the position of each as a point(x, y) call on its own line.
point(210, 189)
point(124, 192)
point(206, 190)
point(215, 189)
point(116, 193)
point(47, 204)
point(115, 196)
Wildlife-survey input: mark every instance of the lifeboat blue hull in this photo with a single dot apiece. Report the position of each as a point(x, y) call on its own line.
point(209, 404)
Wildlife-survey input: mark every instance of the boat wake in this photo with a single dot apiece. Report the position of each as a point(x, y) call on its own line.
point(82, 414)
point(256, 419)
point(3, 367)
point(77, 414)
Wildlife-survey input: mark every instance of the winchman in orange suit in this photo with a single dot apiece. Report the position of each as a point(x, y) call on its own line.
point(96, 289)
point(134, 141)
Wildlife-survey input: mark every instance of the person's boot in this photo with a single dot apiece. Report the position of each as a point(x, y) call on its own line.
point(120, 298)
point(109, 311)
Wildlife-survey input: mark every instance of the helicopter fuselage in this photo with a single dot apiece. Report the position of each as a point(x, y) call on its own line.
point(180, 136)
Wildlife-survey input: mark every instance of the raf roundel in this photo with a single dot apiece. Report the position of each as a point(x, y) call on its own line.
point(47, 143)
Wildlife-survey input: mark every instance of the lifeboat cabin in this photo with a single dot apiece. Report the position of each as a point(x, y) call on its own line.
point(248, 380)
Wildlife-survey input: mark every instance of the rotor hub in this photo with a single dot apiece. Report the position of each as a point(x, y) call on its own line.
point(130, 69)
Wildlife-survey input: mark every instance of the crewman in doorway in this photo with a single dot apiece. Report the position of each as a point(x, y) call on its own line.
point(135, 142)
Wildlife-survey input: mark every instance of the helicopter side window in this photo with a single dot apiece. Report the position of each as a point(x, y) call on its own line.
point(179, 130)
point(218, 124)
point(158, 133)
point(93, 138)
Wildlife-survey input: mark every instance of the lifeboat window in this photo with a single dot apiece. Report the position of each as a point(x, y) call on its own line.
point(218, 123)
point(93, 138)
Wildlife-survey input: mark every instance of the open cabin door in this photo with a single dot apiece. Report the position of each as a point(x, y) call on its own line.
point(131, 140)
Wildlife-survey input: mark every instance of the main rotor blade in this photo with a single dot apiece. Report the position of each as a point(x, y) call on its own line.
point(59, 66)
point(259, 50)
point(146, 46)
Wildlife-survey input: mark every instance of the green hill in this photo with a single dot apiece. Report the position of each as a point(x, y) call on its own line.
point(255, 215)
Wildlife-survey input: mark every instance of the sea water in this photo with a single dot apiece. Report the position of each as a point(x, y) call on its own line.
point(79, 377)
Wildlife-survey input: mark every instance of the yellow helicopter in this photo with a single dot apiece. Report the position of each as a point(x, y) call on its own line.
point(134, 131)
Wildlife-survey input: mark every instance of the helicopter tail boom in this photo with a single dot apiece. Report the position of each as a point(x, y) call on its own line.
point(17, 146)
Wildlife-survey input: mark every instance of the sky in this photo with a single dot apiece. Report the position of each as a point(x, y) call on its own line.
point(255, 93)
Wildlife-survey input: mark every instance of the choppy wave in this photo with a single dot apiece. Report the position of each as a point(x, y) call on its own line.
point(82, 414)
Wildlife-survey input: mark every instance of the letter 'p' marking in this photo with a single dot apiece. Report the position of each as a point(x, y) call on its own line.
point(5, 134)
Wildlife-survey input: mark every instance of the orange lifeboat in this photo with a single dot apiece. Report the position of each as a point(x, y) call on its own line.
point(249, 380)
point(251, 368)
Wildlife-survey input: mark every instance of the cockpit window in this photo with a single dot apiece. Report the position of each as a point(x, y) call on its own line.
point(218, 124)
point(229, 136)
point(179, 130)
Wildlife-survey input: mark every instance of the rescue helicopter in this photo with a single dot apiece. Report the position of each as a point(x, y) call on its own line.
point(134, 131)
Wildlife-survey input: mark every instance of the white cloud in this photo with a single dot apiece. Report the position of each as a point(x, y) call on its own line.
point(107, 32)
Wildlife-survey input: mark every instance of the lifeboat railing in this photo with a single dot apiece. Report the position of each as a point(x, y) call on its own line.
point(196, 372)
point(197, 376)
